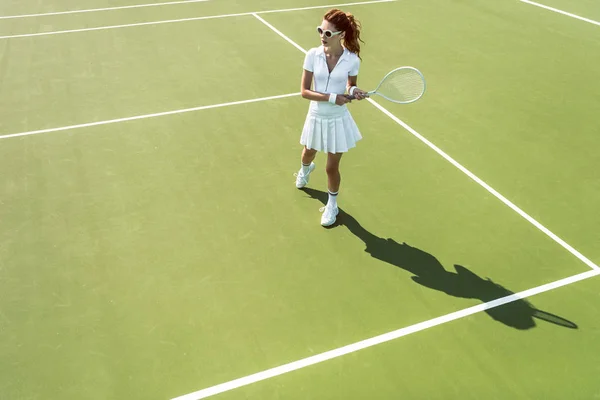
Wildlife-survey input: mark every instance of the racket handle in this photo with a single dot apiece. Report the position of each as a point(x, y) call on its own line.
point(353, 97)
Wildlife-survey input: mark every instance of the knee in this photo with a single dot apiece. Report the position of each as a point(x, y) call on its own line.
point(332, 169)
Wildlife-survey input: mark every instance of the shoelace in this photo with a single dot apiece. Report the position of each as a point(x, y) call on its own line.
point(300, 176)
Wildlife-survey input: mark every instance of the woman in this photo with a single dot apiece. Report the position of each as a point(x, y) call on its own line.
point(329, 127)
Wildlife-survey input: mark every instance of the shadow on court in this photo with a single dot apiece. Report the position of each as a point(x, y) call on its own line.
point(429, 272)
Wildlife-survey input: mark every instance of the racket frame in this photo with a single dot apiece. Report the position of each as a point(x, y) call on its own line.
point(372, 92)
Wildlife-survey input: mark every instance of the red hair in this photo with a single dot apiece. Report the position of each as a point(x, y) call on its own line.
point(349, 25)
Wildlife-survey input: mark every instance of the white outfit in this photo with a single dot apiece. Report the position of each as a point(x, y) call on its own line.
point(329, 127)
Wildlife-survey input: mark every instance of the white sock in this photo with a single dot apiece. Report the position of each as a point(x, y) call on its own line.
point(332, 201)
point(305, 168)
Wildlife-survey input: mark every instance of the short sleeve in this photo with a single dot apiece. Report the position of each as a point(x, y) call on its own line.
point(309, 60)
point(355, 67)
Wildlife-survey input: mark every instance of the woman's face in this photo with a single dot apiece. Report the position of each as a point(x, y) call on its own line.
point(330, 36)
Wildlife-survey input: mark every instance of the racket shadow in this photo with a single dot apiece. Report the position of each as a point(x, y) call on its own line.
point(427, 271)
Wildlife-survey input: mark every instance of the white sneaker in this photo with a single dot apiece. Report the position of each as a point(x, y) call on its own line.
point(302, 178)
point(329, 215)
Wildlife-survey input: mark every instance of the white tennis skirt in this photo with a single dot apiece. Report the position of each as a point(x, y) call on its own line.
point(330, 132)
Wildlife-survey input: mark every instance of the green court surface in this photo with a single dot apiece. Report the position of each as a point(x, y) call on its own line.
point(471, 359)
point(582, 8)
point(155, 257)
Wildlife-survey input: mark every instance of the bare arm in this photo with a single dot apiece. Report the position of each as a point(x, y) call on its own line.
point(360, 94)
point(351, 82)
point(309, 94)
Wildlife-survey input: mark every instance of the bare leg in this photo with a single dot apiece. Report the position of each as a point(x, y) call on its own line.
point(308, 155)
point(331, 210)
point(333, 171)
point(302, 176)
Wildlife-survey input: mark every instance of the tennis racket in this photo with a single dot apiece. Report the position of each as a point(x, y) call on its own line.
point(402, 85)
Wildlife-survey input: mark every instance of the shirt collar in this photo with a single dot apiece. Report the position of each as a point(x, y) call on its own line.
point(343, 57)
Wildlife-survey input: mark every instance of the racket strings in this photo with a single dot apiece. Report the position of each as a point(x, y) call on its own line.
point(403, 85)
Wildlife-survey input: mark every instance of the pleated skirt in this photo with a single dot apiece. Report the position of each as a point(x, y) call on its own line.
point(330, 133)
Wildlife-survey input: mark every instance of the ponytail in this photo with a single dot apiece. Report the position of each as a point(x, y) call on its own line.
point(351, 27)
point(352, 39)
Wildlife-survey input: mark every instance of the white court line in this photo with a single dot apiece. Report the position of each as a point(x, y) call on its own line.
point(487, 187)
point(101, 9)
point(161, 114)
point(279, 33)
point(386, 337)
point(192, 19)
point(460, 167)
point(556, 10)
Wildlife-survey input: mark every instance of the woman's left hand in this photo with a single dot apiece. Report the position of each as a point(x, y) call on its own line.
point(360, 94)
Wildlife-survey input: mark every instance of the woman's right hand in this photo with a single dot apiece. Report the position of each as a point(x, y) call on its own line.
point(342, 99)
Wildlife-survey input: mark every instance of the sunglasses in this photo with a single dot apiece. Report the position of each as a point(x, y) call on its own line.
point(327, 32)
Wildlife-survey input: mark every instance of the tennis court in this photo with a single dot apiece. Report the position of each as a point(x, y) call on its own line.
point(153, 244)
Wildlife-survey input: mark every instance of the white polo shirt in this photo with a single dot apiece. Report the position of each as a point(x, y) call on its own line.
point(324, 82)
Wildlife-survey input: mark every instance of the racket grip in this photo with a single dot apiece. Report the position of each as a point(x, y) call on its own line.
point(353, 97)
